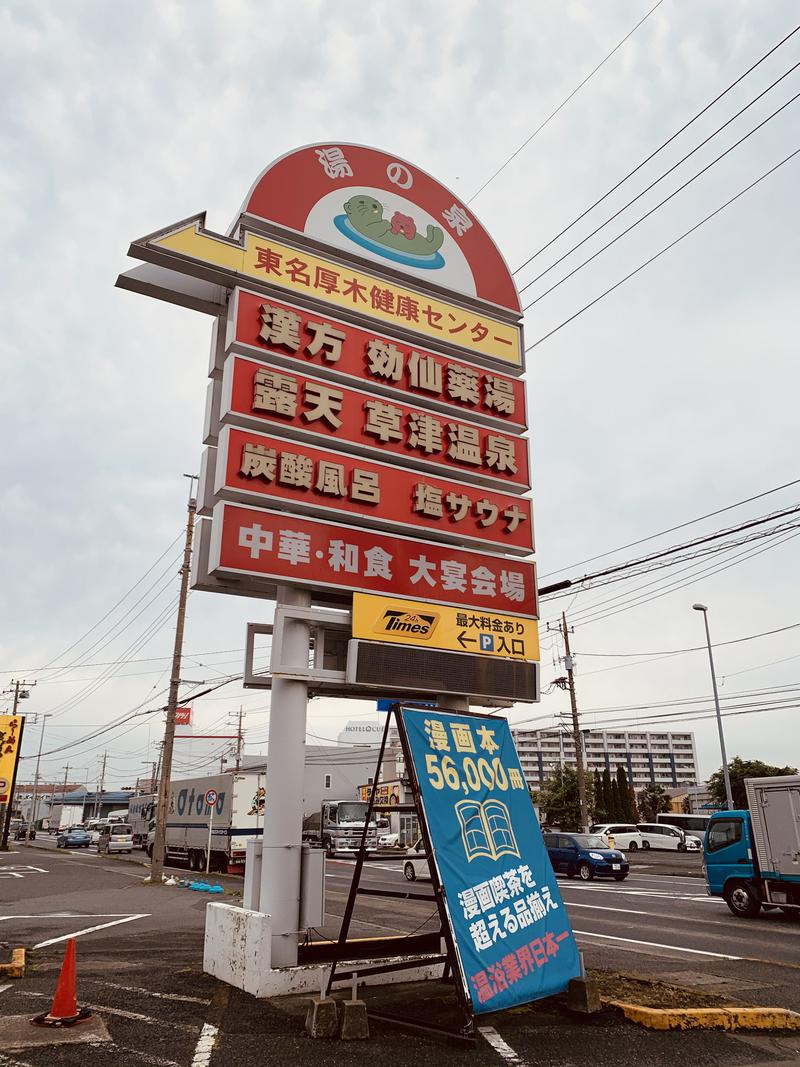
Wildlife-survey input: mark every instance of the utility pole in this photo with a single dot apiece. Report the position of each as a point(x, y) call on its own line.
point(239, 742)
point(63, 796)
point(21, 692)
point(576, 730)
point(98, 803)
point(44, 718)
point(157, 861)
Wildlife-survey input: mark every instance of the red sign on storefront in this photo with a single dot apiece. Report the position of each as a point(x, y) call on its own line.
point(254, 394)
point(253, 464)
point(323, 341)
point(252, 543)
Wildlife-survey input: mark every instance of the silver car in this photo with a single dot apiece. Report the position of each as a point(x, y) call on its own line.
point(116, 837)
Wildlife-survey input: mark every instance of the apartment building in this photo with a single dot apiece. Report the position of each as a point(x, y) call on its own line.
point(667, 759)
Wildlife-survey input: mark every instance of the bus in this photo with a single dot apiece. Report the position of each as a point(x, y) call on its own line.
point(692, 824)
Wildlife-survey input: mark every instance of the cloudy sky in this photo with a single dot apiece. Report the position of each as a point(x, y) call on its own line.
point(673, 397)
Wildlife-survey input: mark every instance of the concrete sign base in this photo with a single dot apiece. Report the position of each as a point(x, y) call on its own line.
point(238, 950)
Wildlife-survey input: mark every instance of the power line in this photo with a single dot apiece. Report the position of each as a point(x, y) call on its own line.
point(586, 620)
point(662, 557)
point(672, 529)
point(652, 210)
point(666, 248)
point(114, 606)
point(564, 102)
point(694, 648)
point(660, 148)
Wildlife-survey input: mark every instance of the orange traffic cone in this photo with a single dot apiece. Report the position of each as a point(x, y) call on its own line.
point(64, 1010)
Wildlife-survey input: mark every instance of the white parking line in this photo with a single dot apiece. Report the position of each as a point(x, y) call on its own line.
point(501, 1047)
point(70, 915)
point(205, 1046)
point(89, 930)
point(3, 988)
point(152, 993)
point(146, 1057)
point(656, 944)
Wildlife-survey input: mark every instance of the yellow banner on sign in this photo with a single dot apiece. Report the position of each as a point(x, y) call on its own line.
point(301, 272)
point(10, 731)
point(413, 622)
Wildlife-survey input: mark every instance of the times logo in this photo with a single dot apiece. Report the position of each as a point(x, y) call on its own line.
point(407, 622)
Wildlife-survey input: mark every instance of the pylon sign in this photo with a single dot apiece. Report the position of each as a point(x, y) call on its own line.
point(10, 735)
point(365, 422)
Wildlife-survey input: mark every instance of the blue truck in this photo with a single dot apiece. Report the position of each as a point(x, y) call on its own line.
point(752, 858)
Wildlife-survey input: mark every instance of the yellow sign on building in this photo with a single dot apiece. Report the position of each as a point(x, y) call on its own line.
point(301, 272)
point(10, 733)
point(413, 622)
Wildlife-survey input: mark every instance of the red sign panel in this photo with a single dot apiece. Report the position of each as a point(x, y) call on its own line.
point(257, 394)
point(318, 478)
point(264, 544)
point(183, 716)
point(373, 204)
point(271, 325)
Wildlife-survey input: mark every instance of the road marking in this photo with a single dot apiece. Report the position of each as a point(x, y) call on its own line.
point(6, 1061)
point(90, 930)
point(135, 1016)
point(146, 1057)
point(3, 988)
point(205, 1046)
point(70, 915)
point(151, 993)
point(656, 944)
point(600, 907)
point(499, 1045)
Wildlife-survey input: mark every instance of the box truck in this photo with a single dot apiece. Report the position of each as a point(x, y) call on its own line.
point(236, 816)
point(752, 858)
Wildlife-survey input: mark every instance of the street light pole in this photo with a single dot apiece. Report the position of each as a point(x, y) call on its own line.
point(45, 716)
point(725, 772)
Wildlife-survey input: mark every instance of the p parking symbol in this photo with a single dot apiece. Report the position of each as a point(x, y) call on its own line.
point(487, 643)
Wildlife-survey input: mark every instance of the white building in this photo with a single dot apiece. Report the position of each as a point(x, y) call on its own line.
point(667, 759)
point(361, 732)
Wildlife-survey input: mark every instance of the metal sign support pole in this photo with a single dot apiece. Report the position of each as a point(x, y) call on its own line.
point(210, 831)
point(283, 808)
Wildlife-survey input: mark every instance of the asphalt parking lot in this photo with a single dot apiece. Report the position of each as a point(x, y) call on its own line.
point(140, 967)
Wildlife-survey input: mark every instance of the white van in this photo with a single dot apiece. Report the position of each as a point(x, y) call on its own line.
point(625, 835)
point(659, 835)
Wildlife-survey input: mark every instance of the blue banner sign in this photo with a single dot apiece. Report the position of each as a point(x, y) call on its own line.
point(509, 924)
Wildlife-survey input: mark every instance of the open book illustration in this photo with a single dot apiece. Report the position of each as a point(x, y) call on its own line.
point(486, 829)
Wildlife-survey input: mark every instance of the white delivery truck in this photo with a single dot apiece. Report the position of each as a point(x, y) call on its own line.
point(141, 816)
point(236, 816)
point(68, 815)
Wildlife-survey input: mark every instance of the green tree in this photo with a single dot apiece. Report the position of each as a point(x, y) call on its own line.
point(608, 796)
point(559, 801)
point(616, 802)
point(652, 800)
point(687, 805)
point(625, 806)
point(600, 813)
point(739, 769)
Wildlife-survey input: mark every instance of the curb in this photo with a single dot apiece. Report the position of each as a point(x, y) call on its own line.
point(15, 969)
point(730, 1018)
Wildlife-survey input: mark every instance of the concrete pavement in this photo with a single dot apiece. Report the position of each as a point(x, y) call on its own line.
point(140, 963)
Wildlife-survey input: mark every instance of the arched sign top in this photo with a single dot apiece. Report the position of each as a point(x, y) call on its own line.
point(378, 206)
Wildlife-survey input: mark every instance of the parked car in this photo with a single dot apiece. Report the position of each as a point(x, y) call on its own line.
point(388, 840)
point(416, 866)
point(625, 835)
point(660, 835)
point(116, 837)
point(95, 832)
point(75, 837)
point(585, 855)
point(19, 832)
